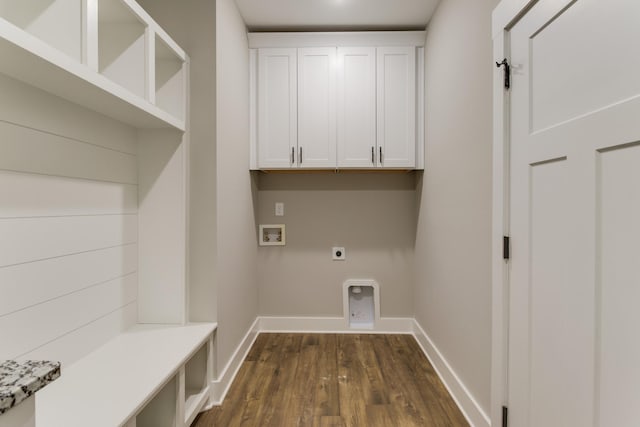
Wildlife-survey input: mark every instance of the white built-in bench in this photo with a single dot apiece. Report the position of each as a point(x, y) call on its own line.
point(148, 376)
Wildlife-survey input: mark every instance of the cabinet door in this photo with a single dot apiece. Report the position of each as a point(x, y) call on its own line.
point(316, 107)
point(356, 106)
point(277, 108)
point(396, 124)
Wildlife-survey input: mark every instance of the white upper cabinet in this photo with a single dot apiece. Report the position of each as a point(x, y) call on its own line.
point(396, 107)
point(317, 107)
point(356, 107)
point(277, 108)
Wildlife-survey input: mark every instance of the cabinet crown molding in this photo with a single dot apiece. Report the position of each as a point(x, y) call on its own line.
point(339, 39)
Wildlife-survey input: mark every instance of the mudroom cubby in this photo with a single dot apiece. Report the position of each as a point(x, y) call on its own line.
point(197, 377)
point(107, 55)
point(170, 80)
point(94, 153)
point(122, 46)
point(161, 411)
point(57, 23)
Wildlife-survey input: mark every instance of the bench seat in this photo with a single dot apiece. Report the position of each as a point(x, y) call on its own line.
point(113, 385)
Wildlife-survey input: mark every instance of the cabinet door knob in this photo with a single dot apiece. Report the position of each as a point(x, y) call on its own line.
point(380, 156)
point(300, 156)
point(293, 155)
point(373, 156)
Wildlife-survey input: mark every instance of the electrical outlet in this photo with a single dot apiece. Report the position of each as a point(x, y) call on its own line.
point(338, 253)
point(279, 209)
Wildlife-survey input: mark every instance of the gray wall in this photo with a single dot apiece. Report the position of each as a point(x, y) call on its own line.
point(372, 215)
point(237, 240)
point(453, 246)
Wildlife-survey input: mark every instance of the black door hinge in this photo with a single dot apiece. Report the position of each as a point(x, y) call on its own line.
point(507, 72)
point(506, 253)
point(505, 416)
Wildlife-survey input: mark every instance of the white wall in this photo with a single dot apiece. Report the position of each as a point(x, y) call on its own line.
point(371, 215)
point(236, 274)
point(68, 226)
point(453, 246)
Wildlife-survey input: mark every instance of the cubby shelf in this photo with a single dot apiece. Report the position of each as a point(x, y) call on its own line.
point(105, 59)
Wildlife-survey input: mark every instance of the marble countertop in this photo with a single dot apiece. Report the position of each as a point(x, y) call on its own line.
point(21, 379)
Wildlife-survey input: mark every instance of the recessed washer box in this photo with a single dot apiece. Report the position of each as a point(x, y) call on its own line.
point(272, 235)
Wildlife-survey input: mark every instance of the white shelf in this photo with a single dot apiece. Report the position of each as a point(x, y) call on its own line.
point(196, 399)
point(101, 60)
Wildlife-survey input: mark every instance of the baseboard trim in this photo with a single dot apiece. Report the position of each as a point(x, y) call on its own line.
point(220, 386)
point(460, 394)
point(385, 325)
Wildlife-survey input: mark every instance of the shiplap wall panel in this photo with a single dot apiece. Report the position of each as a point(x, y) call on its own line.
point(35, 239)
point(68, 226)
point(28, 150)
point(26, 106)
point(79, 342)
point(65, 275)
point(25, 330)
point(31, 195)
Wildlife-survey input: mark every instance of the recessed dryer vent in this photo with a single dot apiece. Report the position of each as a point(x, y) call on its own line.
point(361, 303)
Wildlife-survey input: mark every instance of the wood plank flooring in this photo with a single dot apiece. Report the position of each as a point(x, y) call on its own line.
point(322, 380)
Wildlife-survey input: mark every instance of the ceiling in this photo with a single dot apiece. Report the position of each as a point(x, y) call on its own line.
point(336, 15)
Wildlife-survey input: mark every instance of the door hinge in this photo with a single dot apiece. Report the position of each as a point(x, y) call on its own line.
point(507, 72)
point(505, 416)
point(506, 243)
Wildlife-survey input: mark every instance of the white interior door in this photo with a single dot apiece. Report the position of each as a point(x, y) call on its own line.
point(356, 107)
point(574, 315)
point(317, 107)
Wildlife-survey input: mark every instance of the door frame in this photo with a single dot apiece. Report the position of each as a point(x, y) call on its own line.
point(504, 17)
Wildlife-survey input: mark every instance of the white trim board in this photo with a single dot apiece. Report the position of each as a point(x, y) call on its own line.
point(458, 391)
point(467, 404)
point(504, 16)
point(220, 385)
point(332, 325)
point(506, 13)
point(324, 39)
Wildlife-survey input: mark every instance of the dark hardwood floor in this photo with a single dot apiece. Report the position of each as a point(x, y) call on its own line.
point(321, 380)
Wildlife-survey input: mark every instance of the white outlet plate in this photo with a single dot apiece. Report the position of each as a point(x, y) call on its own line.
point(338, 253)
point(279, 209)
